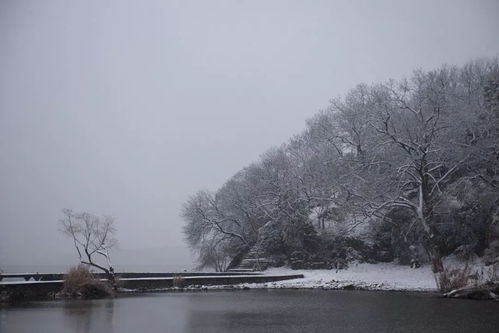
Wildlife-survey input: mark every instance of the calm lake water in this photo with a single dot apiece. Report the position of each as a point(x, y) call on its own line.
point(256, 311)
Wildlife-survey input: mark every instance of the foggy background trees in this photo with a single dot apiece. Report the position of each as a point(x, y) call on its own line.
point(389, 168)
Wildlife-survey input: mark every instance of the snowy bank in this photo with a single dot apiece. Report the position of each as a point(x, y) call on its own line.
point(383, 276)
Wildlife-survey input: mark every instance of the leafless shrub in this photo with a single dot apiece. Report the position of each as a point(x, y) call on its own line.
point(178, 281)
point(454, 278)
point(493, 274)
point(79, 282)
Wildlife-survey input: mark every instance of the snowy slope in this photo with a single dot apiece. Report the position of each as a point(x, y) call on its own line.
point(385, 276)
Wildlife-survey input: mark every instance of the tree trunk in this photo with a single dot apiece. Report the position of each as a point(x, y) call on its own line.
point(424, 213)
point(109, 273)
point(437, 265)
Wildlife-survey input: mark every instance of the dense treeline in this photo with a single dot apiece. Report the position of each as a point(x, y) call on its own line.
point(391, 171)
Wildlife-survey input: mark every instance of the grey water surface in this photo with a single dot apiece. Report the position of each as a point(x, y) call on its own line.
point(256, 311)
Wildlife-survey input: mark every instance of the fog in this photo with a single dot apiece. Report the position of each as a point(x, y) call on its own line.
point(126, 108)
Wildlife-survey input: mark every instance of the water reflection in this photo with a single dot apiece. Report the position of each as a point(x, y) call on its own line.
point(256, 311)
point(81, 316)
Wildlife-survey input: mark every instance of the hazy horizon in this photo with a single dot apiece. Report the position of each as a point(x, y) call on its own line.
point(126, 108)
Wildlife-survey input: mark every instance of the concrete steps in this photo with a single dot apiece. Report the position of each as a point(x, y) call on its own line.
point(252, 265)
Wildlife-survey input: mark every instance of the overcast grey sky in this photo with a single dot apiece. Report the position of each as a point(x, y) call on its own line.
point(128, 107)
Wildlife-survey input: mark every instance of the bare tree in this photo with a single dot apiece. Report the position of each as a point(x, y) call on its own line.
point(417, 121)
point(413, 154)
point(91, 236)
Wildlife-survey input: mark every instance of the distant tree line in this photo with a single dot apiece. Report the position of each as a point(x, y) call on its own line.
point(388, 168)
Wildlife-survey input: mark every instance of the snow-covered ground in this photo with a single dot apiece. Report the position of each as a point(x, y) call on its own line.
point(383, 276)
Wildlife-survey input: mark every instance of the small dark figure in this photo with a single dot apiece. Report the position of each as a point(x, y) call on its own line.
point(414, 257)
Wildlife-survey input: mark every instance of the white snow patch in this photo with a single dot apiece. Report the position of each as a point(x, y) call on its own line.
point(383, 276)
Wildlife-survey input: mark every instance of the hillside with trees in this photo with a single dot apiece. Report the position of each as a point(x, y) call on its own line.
point(399, 171)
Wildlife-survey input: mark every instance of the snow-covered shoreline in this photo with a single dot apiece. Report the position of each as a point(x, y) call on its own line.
point(383, 276)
